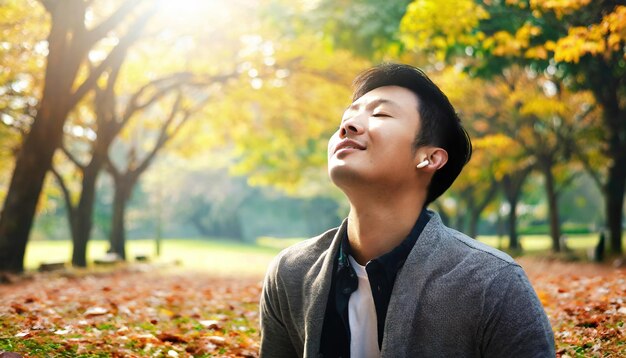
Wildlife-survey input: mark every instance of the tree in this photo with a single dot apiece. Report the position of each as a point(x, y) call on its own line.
point(367, 28)
point(109, 121)
point(579, 42)
point(22, 26)
point(512, 183)
point(499, 159)
point(279, 118)
point(69, 43)
point(177, 113)
point(477, 186)
point(545, 119)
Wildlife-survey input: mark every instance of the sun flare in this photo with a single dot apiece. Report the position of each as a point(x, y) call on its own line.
point(186, 9)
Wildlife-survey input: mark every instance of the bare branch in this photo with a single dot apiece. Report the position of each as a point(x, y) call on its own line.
point(72, 158)
point(116, 54)
point(566, 182)
point(105, 100)
point(66, 193)
point(163, 136)
point(166, 133)
point(486, 199)
point(180, 124)
point(593, 173)
point(112, 21)
point(112, 169)
point(177, 79)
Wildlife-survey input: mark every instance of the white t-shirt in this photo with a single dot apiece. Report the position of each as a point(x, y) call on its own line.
point(362, 317)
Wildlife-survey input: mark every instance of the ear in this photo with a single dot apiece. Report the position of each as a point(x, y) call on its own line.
point(438, 158)
point(431, 158)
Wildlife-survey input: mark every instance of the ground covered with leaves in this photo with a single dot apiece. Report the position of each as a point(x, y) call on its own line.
point(150, 313)
point(130, 313)
point(586, 304)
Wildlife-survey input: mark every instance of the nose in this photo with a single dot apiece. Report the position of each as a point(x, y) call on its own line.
point(350, 126)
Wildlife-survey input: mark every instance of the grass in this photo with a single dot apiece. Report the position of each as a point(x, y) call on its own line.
point(216, 256)
point(536, 243)
point(234, 258)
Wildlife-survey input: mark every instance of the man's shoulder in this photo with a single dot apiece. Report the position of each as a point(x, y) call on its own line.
point(475, 247)
point(303, 255)
point(450, 242)
point(445, 248)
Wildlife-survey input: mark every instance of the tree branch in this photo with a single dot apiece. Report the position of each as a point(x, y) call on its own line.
point(106, 100)
point(565, 183)
point(163, 137)
point(66, 193)
point(176, 108)
point(72, 158)
point(120, 50)
point(110, 167)
point(593, 173)
point(177, 80)
point(112, 21)
point(134, 105)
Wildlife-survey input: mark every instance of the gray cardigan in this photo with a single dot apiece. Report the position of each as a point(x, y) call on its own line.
point(454, 297)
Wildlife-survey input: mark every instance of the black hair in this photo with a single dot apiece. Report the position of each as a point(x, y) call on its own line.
point(440, 126)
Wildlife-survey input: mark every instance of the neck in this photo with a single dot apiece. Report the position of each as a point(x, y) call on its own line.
point(380, 220)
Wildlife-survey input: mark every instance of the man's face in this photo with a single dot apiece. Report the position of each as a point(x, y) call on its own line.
point(374, 141)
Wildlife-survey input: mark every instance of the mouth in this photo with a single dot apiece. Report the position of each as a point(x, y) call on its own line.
point(348, 144)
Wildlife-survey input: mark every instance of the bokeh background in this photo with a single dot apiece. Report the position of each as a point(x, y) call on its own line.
point(176, 129)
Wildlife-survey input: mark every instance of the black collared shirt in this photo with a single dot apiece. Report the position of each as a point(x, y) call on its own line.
point(381, 272)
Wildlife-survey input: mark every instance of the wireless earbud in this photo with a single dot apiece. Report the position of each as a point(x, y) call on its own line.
point(422, 164)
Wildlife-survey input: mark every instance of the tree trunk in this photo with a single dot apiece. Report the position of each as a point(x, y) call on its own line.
point(512, 187)
point(553, 206)
point(84, 213)
point(607, 87)
point(123, 187)
point(472, 229)
point(68, 45)
point(35, 157)
point(615, 188)
point(477, 209)
point(514, 243)
point(32, 163)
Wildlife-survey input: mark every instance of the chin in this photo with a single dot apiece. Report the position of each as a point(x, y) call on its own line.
point(344, 176)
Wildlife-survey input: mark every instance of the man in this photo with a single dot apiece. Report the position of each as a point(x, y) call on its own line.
point(392, 280)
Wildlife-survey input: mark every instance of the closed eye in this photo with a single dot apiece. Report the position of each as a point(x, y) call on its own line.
point(379, 114)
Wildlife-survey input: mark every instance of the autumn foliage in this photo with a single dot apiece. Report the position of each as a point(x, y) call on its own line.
point(585, 305)
point(130, 313)
point(147, 313)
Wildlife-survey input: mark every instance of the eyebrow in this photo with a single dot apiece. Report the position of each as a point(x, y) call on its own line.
point(375, 103)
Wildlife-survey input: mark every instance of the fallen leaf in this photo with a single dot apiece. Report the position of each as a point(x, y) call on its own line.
point(96, 311)
point(19, 309)
point(220, 341)
point(210, 324)
point(166, 312)
point(172, 337)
